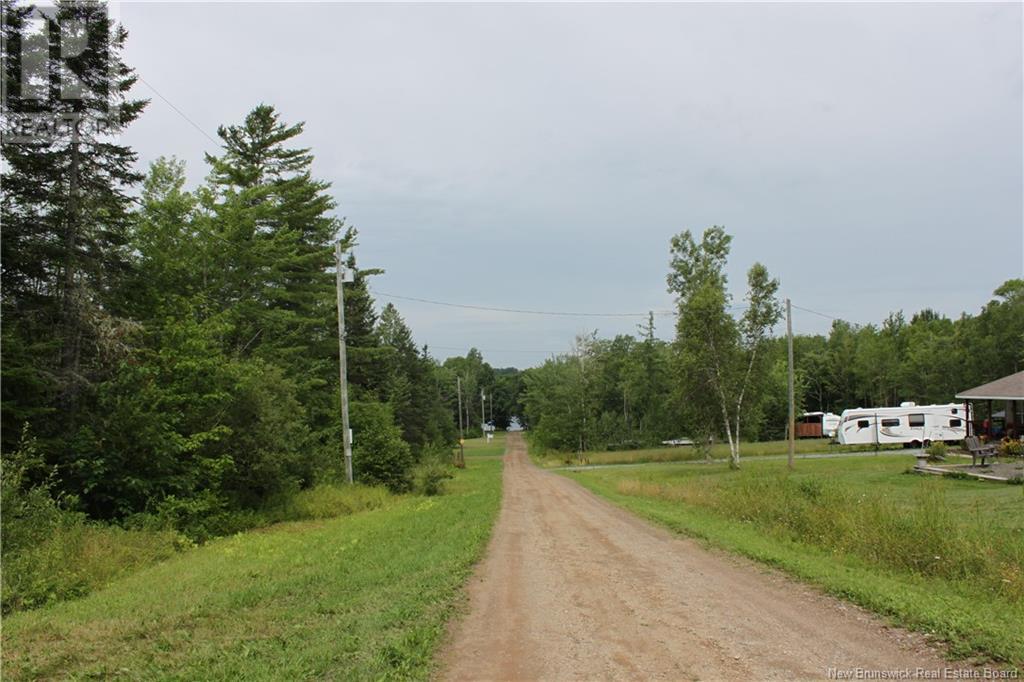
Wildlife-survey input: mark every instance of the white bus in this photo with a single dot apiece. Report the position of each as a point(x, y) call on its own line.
point(909, 424)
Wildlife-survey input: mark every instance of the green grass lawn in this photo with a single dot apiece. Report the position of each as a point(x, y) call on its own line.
point(479, 447)
point(365, 596)
point(943, 556)
point(688, 453)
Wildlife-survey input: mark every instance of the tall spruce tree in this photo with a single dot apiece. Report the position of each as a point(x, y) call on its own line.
point(409, 386)
point(65, 209)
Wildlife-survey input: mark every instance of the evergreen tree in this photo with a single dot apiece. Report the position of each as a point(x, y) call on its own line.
point(409, 387)
point(273, 282)
point(65, 210)
point(366, 359)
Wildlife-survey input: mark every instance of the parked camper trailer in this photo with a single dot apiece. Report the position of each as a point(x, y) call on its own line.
point(817, 425)
point(909, 424)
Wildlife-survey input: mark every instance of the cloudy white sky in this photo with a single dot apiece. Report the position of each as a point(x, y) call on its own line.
point(541, 155)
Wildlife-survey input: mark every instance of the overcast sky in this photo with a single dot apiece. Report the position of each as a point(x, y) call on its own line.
point(541, 156)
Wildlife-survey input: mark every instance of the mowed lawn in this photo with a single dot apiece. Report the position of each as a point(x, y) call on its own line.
point(687, 453)
point(365, 596)
point(479, 447)
point(942, 556)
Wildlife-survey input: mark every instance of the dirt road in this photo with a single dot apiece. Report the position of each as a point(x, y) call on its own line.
point(573, 587)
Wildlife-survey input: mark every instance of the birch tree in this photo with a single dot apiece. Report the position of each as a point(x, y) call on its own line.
point(721, 359)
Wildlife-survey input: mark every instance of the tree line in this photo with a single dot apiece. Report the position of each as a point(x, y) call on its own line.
point(724, 374)
point(171, 351)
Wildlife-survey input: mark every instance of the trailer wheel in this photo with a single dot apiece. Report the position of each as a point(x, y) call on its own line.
point(915, 443)
point(927, 442)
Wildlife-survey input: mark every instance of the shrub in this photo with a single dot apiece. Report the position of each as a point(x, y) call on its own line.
point(380, 456)
point(1011, 448)
point(429, 477)
point(434, 469)
point(202, 517)
point(327, 501)
point(28, 512)
point(51, 553)
point(79, 557)
point(936, 451)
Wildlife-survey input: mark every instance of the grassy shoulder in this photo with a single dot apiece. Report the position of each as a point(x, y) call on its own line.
point(360, 596)
point(941, 556)
point(51, 554)
point(688, 453)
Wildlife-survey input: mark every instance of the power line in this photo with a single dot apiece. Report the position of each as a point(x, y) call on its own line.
point(660, 313)
point(179, 111)
point(815, 312)
point(517, 310)
point(493, 350)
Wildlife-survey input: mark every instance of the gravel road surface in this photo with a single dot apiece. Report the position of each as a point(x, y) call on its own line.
point(575, 588)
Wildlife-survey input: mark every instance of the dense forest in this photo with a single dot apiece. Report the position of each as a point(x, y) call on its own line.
point(170, 353)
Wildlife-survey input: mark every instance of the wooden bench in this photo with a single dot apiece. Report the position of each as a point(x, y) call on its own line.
point(979, 451)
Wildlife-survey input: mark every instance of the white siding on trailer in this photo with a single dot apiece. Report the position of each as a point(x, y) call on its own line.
point(908, 424)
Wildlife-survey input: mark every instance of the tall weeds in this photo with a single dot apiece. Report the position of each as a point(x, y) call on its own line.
point(922, 535)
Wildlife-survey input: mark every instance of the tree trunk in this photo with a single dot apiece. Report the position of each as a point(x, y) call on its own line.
point(734, 459)
point(70, 351)
point(736, 453)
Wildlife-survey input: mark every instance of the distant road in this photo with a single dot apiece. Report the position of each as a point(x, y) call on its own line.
point(724, 460)
point(574, 588)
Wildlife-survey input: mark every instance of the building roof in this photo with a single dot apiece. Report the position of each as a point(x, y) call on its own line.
point(1008, 388)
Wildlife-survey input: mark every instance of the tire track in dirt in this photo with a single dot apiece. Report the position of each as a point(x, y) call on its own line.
point(574, 588)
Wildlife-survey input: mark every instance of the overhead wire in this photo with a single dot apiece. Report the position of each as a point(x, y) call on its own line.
point(468, 306)
point(814, 312)
point(519, 311)
point(177, 110)
point(494, 350)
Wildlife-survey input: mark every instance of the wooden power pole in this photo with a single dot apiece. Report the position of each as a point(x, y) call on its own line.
point(462, 453)
point(346, 433)
point(792, 391)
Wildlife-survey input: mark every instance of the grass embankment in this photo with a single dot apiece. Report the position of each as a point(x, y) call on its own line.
point(940, 556)
point(688, 453)
point(51, 555)
point(356, 597)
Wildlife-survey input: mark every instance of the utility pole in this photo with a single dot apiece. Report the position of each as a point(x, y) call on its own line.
point(343, 275)
point(462, 453)
point(483, 413)
point(792, 391)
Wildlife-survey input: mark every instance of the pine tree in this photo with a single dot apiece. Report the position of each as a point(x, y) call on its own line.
point(273, 229)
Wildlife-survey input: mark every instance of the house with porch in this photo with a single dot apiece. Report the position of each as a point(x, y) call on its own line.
point(997, 408)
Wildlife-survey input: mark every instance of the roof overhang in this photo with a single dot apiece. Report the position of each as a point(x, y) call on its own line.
point(1010, 387)
point(990, 397)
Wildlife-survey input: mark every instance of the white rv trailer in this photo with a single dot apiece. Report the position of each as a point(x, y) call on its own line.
point(908, 424)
